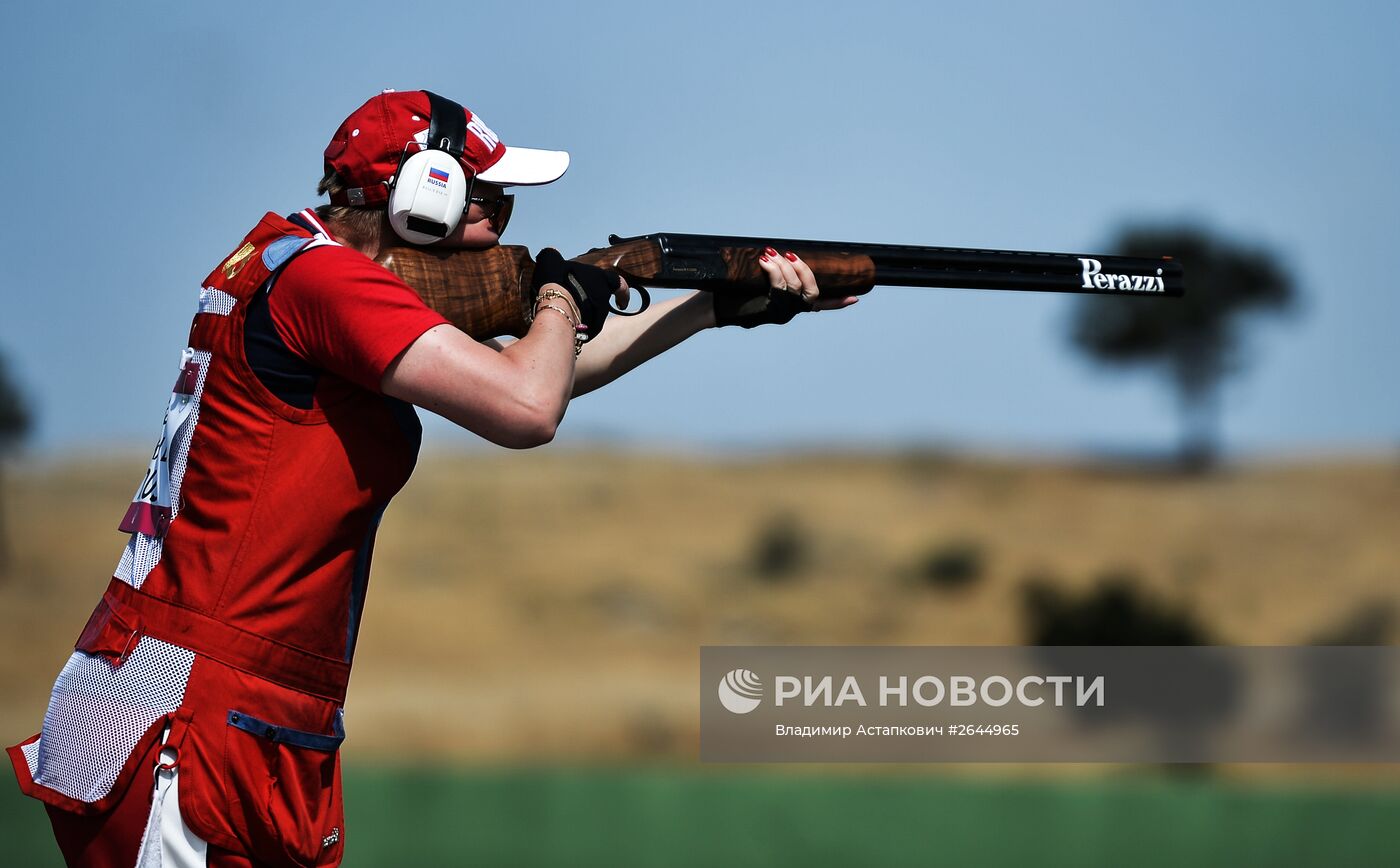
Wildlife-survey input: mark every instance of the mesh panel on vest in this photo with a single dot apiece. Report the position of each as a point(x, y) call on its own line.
point(143, 551)
point(31, 757)
point(216, 301)
point(98, 713)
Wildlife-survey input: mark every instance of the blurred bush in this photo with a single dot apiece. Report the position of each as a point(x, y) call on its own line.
point(952, 565)
point(781, 549)
point(1118, 610)
point(1371, 623)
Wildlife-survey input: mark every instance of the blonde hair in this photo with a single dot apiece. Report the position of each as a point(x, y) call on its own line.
point(362, 227)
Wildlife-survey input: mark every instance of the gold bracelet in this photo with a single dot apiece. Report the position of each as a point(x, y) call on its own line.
point(562, 296)
point(576, 316)
point(573, 323)
point(580, 333)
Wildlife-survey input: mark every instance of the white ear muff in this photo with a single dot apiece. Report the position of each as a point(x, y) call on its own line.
point(428, 196)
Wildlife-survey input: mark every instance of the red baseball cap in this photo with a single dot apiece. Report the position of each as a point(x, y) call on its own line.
point(366, 150)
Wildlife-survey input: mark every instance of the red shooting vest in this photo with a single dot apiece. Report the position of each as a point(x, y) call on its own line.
point(233, 613)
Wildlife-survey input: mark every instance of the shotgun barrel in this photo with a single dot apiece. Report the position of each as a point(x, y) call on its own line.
point(719, 262)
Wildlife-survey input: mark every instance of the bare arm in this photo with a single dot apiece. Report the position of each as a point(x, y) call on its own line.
point(514, 394)
point(629, 341)
point(515, 397)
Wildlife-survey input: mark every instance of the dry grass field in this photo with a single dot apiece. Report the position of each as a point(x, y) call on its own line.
point(549, 606)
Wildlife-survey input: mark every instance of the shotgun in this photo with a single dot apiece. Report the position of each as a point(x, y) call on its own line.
point(486, 293)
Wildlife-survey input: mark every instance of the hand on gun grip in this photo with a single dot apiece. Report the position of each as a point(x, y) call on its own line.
point(792, 289)
point(590, 287)
point(749, 308)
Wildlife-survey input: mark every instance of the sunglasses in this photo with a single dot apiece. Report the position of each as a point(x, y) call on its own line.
point(496, 208)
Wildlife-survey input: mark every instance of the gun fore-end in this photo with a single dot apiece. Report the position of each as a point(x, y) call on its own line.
point(710, 263)
point(485, 293)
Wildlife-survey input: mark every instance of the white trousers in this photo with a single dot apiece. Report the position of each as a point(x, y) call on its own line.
point(168, 842)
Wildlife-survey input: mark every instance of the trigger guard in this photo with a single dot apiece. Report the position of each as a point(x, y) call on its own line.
point(646, 303)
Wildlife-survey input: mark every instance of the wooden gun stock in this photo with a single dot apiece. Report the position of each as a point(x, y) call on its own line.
point(486, 293)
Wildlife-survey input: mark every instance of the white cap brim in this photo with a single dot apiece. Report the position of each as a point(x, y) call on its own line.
point(526, 167)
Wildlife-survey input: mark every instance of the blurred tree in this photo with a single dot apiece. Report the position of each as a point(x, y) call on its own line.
point(14, 425)
point(1194, 340)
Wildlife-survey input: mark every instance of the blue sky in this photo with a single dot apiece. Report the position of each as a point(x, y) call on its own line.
point(142, 140)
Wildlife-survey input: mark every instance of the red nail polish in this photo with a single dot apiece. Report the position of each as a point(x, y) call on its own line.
point(770, 251)
point(791, 256)
point(763, 258)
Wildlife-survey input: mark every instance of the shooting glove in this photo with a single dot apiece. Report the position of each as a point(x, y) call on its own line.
point(592, 288)
point(749, 308)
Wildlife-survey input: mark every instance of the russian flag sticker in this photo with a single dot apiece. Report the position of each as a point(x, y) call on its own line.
point(438, 175)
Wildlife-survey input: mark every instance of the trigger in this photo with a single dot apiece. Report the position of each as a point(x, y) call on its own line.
point(641, 293)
